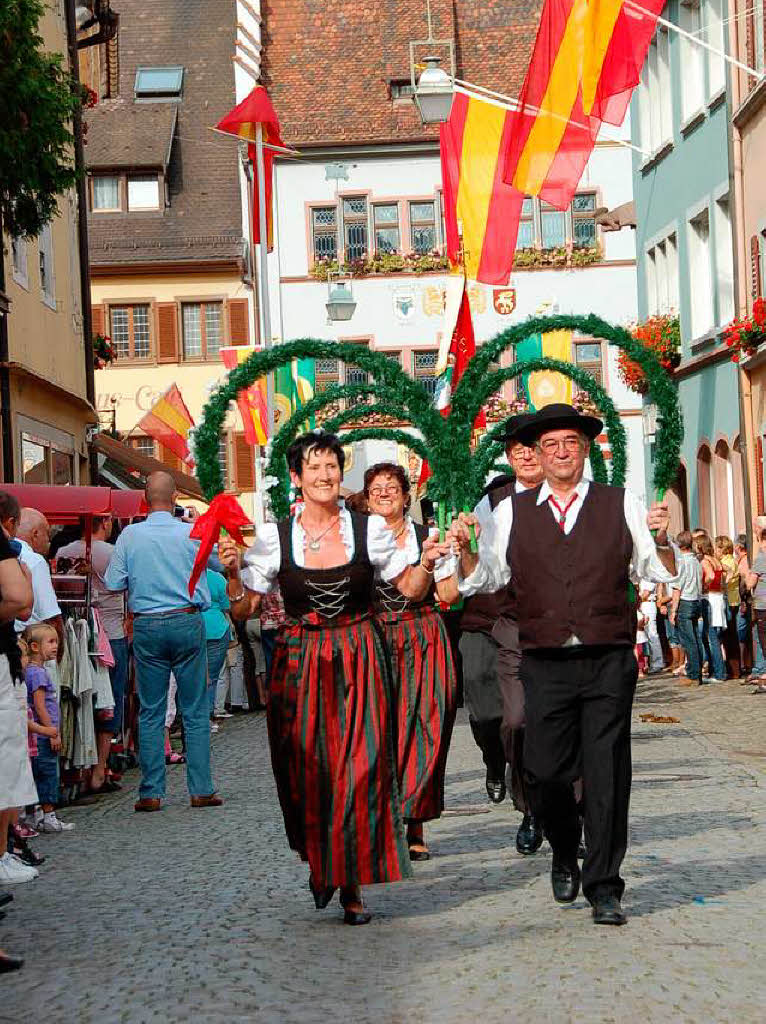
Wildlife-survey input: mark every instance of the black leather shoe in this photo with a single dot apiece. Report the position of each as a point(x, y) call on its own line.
point(529, 838)
point(28, 856)
point(10, 963)
point(565, 880)
point(5, 897)
point(321, 896)
point(608, 910)
point(495, 789)
point(354, 917)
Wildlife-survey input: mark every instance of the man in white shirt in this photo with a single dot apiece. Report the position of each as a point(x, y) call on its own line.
point(569, 545)
point(686, 608)
point(34, 535)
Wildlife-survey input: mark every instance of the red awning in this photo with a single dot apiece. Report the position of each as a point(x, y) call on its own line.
point(67, 504)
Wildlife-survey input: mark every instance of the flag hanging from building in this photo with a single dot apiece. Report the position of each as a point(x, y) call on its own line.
point(457, 348)
point(169, 422)
point(473, 143)
point(256, 109)
point(251, 401)
point(586, 61)
point(545, 386)
point(294, 385)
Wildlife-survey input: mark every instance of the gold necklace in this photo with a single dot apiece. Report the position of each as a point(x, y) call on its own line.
point(314, 542)
point(401, 530)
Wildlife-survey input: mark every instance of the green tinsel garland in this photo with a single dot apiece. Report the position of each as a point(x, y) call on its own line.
point(487, 451)
point(455, 478)
point(467, 399)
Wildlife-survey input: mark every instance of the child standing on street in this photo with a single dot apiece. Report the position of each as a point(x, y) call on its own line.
point(42, 641)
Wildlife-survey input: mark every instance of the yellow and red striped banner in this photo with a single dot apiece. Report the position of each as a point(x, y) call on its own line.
point(169, 422)
point(473, 142)
point(586, 62)
point(251, 401)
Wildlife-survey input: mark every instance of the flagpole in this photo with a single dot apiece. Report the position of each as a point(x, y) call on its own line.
point(264, 269)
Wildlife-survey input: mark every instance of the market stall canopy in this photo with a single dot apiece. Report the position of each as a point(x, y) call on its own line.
point(134, 461)
point(63, 504)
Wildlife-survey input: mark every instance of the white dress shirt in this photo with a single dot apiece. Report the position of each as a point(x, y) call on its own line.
point(46, 606)
point(493, 571)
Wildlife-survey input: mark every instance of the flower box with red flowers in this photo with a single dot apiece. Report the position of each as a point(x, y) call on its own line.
point(103, 351)
point(745, 335)
point(662, 336)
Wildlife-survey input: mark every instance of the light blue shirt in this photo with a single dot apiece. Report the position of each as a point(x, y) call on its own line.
point(153, 561)
point(216, 623)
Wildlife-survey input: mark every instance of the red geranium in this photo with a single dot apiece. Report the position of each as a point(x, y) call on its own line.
point(660, 334)
point(746, 334)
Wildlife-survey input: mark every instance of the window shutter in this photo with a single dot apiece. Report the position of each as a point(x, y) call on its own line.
point(170, 459)
point(244, 464)
point(167, 332)
point(755, 267)
point(97, 320)
point(239, 333)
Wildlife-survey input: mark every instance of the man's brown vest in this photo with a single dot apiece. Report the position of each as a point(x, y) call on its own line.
point(481, 612)
point(575, 584)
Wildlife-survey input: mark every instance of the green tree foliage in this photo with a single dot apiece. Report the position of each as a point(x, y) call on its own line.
point(38, 98)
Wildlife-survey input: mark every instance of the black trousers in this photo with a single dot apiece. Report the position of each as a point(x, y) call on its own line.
point(483, 699)
point(506, 633)
point(578, 705)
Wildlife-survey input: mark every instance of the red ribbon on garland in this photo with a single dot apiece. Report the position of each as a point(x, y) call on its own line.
point(225, 513)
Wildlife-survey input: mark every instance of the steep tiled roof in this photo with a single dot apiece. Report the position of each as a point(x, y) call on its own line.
point(328, 65)
point(203, 220)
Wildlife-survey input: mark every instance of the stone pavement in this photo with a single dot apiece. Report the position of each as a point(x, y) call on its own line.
point(205, 915)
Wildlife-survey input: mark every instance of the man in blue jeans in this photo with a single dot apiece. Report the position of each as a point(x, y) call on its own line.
point(686, 608)
point(153, 562)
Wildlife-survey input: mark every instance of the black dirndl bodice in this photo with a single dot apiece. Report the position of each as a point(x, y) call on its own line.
point(387, 599)
point(332, 592)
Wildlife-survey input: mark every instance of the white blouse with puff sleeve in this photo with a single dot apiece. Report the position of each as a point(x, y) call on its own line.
point(263, 557)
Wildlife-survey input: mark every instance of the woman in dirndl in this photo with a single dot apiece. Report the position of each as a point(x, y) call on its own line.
point(423, 670)
point(330, 710)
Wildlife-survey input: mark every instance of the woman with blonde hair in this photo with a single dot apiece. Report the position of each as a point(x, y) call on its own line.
point(713, 604)
point(724, 549)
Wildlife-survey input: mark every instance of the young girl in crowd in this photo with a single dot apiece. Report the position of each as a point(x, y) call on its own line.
point(18, 832)
point(42, 641)
point(642, 647)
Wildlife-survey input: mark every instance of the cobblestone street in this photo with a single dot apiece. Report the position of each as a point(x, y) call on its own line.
point(206, 915)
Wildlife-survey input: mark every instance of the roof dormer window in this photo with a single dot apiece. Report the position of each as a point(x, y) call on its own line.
point(155, 84)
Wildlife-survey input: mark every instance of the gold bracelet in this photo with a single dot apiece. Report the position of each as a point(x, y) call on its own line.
point(238, 597)
point(425, 568)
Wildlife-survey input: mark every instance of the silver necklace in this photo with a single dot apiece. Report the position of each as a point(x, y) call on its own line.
point(314, 542)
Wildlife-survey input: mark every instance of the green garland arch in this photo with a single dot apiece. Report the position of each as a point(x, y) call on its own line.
point(487, 452)
point(447, 440)
point(662, 391)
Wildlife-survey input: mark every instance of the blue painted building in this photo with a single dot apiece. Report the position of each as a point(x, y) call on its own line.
point(684, 249)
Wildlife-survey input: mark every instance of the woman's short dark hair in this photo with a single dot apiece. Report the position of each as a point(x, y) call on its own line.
point(387, 469)
point(314, 441)
point(9, 506)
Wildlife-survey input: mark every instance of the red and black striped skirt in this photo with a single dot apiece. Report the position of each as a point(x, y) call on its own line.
point(332, 750)
point(425, 686)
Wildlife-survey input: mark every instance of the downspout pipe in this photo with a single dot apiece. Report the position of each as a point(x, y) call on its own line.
point(6, 422)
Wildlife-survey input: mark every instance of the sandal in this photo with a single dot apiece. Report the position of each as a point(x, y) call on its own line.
point(419, 851)
point(175, 758)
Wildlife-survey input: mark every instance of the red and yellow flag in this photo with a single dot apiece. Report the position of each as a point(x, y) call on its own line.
point(473, 143)
point(256, 109)
point(169, 422)
point(586, 62)
point(251, 401)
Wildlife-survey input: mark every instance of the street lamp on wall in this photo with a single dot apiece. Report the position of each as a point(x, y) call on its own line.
point(434, 92)
point(435, 88)
point(340, 303)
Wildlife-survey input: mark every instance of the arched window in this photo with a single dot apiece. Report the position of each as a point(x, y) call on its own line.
point(723, 490)
point(678, 503)
point(738, 487)
point(704, 491)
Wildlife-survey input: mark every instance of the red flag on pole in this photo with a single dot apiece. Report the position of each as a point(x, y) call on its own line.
point(454, 356)
point(255, 109)
point(251, 401)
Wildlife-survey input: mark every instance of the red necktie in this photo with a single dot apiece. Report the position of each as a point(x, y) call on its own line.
point(562, 511)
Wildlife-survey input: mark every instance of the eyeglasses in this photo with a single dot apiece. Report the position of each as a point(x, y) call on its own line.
point(551, 447)
point(376, 492)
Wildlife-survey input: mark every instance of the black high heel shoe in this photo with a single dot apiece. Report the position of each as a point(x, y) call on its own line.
point(354, 917)
point(321, 896)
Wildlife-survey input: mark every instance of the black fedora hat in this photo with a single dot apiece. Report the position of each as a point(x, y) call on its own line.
point(559, 416)
point(514, 424)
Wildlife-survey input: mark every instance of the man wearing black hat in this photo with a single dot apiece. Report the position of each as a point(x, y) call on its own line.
point(568, 545)
point(490, 653)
